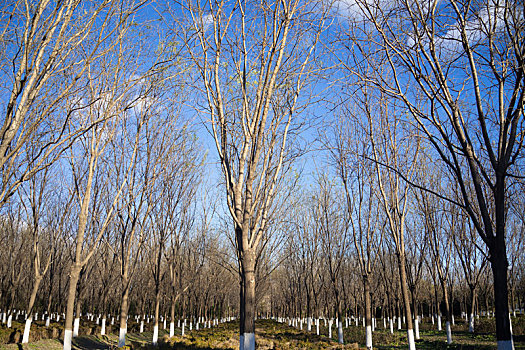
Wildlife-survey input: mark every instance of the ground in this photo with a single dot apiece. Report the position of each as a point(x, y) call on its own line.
point(269, 335)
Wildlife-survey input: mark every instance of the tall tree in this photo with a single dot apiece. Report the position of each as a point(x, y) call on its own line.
point(458, 69)
point(253, 60)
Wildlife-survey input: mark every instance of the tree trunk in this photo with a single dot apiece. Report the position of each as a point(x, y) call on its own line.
point(172, 315)
point(406, 299)
point(249, 300)
point(73, 281)
point(156, 324)
point(499, 266)
point(76, 324)
point(472, 309)
point(368, 312)
point(123, 314)
point(447, 311)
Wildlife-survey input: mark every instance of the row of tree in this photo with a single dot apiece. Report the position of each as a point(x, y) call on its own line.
point(102, 165)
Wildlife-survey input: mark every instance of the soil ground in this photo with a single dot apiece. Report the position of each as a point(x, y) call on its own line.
point(269, 335)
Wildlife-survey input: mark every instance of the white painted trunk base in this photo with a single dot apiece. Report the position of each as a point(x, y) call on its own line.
point(309, 324)
point(122, 338)
point(416, 323)
point(27, 329)
point(317, 327)
point(155, 334)
point(340, 333)
point(172, 329)
point(411, 341)
point(449, 333)
point(330, 329)
point(369, 337)
point(68, 336)
point(399, 323)
point(9, 321)
point(391, 326)
point(182, 331)
point(48, 321)
point(471, 324)
point(76, 325)
point(103, 328)
point(249, 341)
point(141, 326)
point(505, 345)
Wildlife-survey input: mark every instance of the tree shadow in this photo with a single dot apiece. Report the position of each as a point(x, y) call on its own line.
point(87, 343)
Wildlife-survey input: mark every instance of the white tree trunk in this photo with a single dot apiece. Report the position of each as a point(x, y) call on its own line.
point(249, 341)
point(103, 328)
point(122, 337)
point(9, 321)
point(439, 323)
point(449, 333)
point(155, 334)
point(141, 326)
point(330, 328)
point(309, 324)
point(27, 329)
point(417, 327)
point(399, 322)
point(172, 328)
point(317, 327)
point(340, 333)
point(182, 331)
point(68, 336)
point(76, 325)
point(391, 325)
point(48, 321)
point(471, 324)
point(411, 341)
point(369, 337)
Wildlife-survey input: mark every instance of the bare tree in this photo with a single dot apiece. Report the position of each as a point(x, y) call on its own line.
point(359, 182)
point(253, 61)
point(457, 67)
point(47, 49)
point(394, 146)
point(331, 221)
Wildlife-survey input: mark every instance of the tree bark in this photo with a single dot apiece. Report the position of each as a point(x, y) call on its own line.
point(368, 312)
point(248, 267)
point(73, 281)
point(406, 299)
